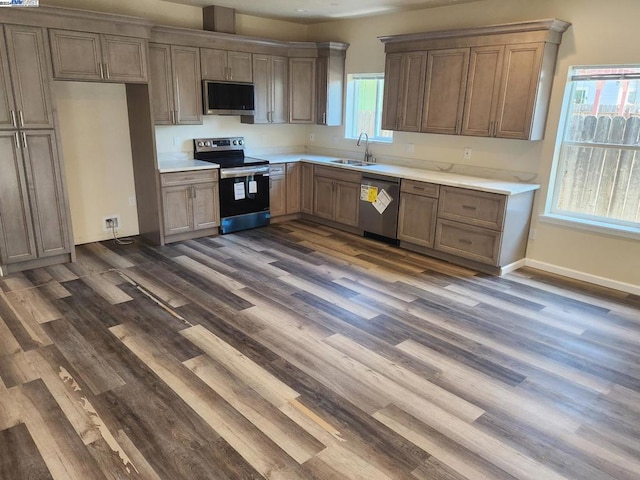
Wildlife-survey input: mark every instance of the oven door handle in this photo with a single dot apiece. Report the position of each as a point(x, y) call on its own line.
point(237, 172)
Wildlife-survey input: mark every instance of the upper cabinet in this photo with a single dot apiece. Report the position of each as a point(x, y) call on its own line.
point(23, 64)
point(330, 83)
point(97, 57)
point(226, 65)
point(302, 90)
point(271, 90)
point(488, 81)
point(175, 84)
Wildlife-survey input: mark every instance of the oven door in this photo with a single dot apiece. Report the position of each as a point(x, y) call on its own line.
point(244, 190)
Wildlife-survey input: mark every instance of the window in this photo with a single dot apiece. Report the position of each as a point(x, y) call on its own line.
point(597, 175)
point(364, 107)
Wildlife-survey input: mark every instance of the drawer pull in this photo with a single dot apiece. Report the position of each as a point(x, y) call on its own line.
point(418, 188)
point(465, 241)
point(469, 207)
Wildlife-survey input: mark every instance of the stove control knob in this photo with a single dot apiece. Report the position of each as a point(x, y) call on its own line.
point(207, 143)
point(235, 142)
point(201, 144)
point(240, 142)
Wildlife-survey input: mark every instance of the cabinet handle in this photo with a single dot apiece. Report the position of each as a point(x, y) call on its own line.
point(18, 140)
point(465, 241)
point(230, 73)
point(469, 207)
point(106, 67)
point(20, 114)
point(24, 140)
point(458, 126)
point(495, 128)
point(324, 118)
point(418, 188)
point(101, 70)
point(173, 116)
point(13, 119)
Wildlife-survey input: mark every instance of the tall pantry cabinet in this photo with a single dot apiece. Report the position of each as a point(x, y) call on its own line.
point(35, 228)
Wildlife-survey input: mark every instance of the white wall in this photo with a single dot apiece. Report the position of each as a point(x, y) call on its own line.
point(600, 34)
point(94, 129)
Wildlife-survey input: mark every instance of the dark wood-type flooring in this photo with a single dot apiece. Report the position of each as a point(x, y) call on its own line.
point(300, 352)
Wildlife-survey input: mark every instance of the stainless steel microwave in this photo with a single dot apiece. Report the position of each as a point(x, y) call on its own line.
point(228, 98)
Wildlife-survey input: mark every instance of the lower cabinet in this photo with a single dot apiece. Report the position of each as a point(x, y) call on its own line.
point(284, 188)
point(190, 204)
point(418, 212)
point(336, 195)
point(34, 216)
point(306, 187)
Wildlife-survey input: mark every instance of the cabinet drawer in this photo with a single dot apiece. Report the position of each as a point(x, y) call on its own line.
point(475, 243)
point(278, 169)
point(185, 178)
point(472, 207)
point(420, 188)
point(337, 174)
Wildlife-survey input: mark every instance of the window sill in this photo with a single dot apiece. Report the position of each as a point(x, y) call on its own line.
point(372, 141)
point(591, 226)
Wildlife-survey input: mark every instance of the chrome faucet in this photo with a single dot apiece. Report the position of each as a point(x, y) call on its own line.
point(367, 155)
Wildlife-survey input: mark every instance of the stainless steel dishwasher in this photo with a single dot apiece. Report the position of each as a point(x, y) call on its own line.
point(379, 204)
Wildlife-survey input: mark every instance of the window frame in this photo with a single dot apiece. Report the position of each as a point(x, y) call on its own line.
point(553, 214)
point(351, 94)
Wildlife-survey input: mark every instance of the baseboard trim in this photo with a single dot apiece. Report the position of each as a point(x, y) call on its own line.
point(512, 267)
point(585, 277)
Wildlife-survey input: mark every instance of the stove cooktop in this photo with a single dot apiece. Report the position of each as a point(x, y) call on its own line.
point(227, 152)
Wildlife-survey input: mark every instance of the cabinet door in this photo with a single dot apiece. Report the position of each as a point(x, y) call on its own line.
point(187, 85)
point(17, 242)
point(306, 196)
point(76, 55)
point(445, 86)
point(293, 187)
point(48, 199)
point(240, 66)
point(279, 90)
point(8, 118)
point(125, 59)
point(392, 89)
point(347, 206)
point(278, 195)
point(29, 73)
point(214, 64)
point(417, 219)
point(323, 197)
point(485, 67)
point(522, 64)
point(330, 88)
point(262, 82)
point(206, 209)
point(412, 91)
point(302, 90)
point(178, 209)
point(161, 84)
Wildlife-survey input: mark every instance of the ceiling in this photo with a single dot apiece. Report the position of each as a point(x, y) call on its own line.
point(314, 11)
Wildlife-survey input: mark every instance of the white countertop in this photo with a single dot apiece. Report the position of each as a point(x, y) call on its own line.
point(441, 178)
point(181, 165)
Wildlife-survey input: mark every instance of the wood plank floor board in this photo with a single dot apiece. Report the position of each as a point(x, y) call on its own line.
point(19, 456)
point(297, 351)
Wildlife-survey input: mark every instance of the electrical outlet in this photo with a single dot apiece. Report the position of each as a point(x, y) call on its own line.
point(410, 148)
point(312, 137)
point(132, 201)
point(467, 153)
point(111, 221)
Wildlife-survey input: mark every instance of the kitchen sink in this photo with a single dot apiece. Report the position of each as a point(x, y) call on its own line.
point(354, 163)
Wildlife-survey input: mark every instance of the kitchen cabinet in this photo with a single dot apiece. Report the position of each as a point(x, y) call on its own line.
point(278, 190)
point(190, 204)
point(306, 187)
point(485, 81)
point(34, 222)
point(330, 66)
point(97, 57)
point(176, 85)
point(302, 90)
point(23, 64)
point(418, 212)
point(404, 91)
point(284, 184)
point(271, 90)
point(226, 65)
point(445, 86)
point(294, 175)
point(485, 227)
point(336, 195)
